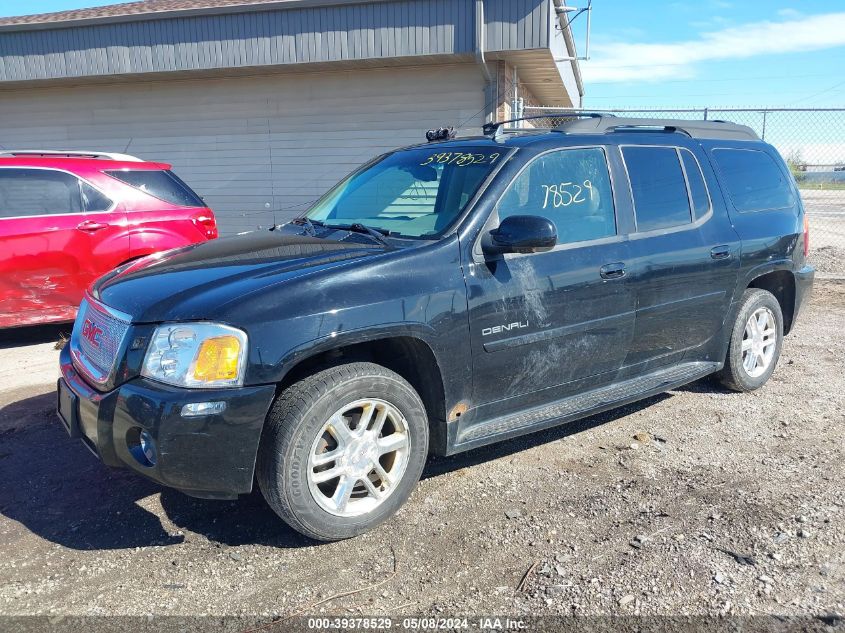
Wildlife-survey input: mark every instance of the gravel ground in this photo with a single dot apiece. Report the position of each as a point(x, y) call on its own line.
point(698, 501)
point(828, 259)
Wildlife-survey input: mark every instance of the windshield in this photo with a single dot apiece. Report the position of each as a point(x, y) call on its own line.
point(410, 193)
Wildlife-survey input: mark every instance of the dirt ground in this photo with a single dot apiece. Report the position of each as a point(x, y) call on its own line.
point(698, 501)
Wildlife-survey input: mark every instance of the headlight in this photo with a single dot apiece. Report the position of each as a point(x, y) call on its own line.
point(198, 355)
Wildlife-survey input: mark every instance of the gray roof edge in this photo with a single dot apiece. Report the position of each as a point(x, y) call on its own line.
point(722, 130)
point(246, 7)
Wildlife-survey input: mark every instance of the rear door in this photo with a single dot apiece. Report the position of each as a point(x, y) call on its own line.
point(684, 254)
point(57, 233)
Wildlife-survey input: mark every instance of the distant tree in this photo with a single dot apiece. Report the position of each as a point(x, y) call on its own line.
point(797, 164)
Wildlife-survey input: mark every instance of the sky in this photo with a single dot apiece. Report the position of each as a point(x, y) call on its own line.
point(715, 53)
point(700, 53)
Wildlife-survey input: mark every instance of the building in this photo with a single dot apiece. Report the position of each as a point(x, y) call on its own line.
point(262, 105)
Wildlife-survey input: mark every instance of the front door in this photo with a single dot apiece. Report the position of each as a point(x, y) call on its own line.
point(542, 322)
point(55, 238)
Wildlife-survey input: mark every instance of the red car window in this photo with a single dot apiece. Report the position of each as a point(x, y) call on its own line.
point(164, 185)
point(29, 192)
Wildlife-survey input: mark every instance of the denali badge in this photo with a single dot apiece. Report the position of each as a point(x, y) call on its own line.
point(91, 332)
point(497, 329)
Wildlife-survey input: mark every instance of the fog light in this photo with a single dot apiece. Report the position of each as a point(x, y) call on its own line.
point(196, 409)
point(148, 447)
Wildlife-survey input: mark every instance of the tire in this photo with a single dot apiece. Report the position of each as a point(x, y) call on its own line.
point(298, 432)
point(736, 374)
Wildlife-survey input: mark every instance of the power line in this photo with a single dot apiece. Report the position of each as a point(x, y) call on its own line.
point(817, 94)
point(747, 78)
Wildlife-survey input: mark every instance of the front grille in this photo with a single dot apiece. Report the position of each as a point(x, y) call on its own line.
point(97, 336)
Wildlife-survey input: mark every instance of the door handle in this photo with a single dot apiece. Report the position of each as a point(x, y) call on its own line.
point(91, 225)
point(612, 271)
point(720, 252)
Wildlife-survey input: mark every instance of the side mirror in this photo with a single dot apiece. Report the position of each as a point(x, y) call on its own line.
point(521, 234)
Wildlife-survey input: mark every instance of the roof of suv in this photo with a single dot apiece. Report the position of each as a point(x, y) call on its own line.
point(590, 125)
point(70, 158)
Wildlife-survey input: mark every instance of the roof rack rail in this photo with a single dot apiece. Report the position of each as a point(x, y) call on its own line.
point(71, 154)
point(723, 130)
point(494, 129)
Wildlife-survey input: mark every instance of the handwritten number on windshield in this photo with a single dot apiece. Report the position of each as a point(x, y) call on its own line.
point(566, 193)
point(461, 159)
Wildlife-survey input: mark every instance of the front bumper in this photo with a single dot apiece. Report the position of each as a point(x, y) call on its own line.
point(211, 456)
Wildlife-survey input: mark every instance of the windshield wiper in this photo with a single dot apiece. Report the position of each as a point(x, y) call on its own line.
point(308, 224)
point(356, 227)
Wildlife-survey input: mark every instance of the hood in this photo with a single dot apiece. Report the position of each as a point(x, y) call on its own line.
point(199, 281)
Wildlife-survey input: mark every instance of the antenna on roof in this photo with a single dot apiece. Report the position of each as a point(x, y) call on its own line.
point(562, 10)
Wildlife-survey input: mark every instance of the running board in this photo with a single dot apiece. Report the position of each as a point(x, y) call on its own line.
point(577, 406)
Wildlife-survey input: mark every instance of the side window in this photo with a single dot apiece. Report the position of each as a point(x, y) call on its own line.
point(92, 199)
point(754, 180)
point(697, 187)
point(571, 188)
point(29, 192)
point(657, 183)
point(164, 185)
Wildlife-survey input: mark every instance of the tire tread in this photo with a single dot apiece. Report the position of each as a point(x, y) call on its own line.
point(292, 406)
point(732, 375)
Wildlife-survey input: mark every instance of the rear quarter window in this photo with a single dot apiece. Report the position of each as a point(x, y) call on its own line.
point(164, 185)
point(754, 181)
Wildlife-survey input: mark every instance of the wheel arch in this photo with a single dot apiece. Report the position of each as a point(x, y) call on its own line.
point(409, 356)
point(781, 283)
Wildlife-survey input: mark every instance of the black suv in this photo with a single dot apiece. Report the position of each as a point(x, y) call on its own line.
point(442, 297)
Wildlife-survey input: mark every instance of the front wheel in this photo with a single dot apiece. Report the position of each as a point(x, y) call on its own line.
point(756, 342)
point(342, 450)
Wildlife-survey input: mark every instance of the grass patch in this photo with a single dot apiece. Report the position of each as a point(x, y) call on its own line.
point(822, 186)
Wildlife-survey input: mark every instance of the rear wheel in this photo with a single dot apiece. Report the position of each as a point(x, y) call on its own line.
point(756, 342)
point(342, 450)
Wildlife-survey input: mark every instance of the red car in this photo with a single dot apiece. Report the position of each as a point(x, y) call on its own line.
point(68, 217)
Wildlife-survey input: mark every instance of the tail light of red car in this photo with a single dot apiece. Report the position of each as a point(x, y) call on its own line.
point(206, 223)
point(806, 236)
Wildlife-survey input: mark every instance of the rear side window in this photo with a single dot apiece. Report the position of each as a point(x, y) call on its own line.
point(697, 188)
point(92, 199)
point(754, 180)
point(658, 186)
point(31, 192)
point(164, 185)
point(571, 188)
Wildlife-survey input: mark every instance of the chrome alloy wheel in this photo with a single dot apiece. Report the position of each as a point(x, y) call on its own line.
point(759, 342)
point(358, 457)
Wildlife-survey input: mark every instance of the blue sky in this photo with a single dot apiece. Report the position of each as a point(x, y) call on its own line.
point(715, 53)
point(691, 53)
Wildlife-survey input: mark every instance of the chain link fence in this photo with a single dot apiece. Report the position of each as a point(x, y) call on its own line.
point(812, 141)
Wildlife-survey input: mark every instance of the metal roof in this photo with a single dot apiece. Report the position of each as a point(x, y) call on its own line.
point(151, 9)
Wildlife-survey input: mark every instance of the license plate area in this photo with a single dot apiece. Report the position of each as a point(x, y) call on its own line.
point(67, 408)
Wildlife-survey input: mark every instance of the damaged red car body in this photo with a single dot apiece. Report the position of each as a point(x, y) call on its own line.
point(67, 218)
